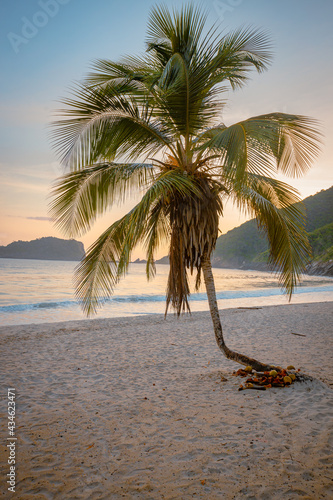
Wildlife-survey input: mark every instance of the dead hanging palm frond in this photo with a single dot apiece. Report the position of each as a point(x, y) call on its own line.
point(194, 231)
point(178, 289)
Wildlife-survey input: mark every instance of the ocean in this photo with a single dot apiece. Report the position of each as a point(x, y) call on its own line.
point(41, 291)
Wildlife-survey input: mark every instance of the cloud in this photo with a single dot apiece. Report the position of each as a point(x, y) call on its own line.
point(39, 218)
point(48, 219)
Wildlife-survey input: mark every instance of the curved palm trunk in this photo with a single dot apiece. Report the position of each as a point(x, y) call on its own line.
point(211, 294)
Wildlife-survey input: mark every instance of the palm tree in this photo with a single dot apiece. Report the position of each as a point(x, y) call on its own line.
point(153, 122)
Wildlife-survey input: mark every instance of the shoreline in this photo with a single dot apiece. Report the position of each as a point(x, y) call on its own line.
point(147, 408)
point(46, 295)
point(170, 314)
point(201, 307)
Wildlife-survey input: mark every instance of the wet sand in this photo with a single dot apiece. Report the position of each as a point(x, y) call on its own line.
point(147, 408)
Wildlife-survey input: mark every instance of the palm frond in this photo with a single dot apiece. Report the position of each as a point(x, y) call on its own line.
point(104, 123)
point(281, 217)
point(80, 196)
point(239, 51)
point(123, 74)
point(182, 96)
point(178, 33)
point(266, 144)
point(157, 233)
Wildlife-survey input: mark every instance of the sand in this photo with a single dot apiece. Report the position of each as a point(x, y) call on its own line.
point(147, 408)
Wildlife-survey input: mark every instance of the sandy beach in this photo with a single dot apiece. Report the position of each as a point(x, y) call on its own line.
point(147, 408)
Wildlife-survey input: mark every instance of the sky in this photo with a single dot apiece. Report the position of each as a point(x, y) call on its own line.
point(47, 45)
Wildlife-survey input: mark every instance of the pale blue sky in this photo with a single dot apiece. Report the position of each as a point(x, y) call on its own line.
point(46, 45)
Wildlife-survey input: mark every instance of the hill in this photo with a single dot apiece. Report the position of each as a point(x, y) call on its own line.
point(48, 248)
point(246, 247)
point(321, 241)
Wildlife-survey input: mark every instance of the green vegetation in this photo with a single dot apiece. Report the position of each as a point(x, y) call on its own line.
point(321, 241)
point(319, 209)
point(242, 244)
point(246, 245)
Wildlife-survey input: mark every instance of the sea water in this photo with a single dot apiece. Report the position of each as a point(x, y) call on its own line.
point(37, 291)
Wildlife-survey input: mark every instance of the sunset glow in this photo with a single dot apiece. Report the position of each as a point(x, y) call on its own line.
point(46, 46)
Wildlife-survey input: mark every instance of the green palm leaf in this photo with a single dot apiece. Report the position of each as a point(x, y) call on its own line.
point(266, 144)
point(103, 123)
point(280, 216)
point(80, 196)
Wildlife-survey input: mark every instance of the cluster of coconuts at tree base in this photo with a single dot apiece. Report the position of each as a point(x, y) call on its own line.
point(278, 377)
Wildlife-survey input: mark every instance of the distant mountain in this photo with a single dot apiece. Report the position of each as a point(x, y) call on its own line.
point(48, 248)
point(139, 261)
point(246, 247)
point(319, 209)
point(163, 260)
